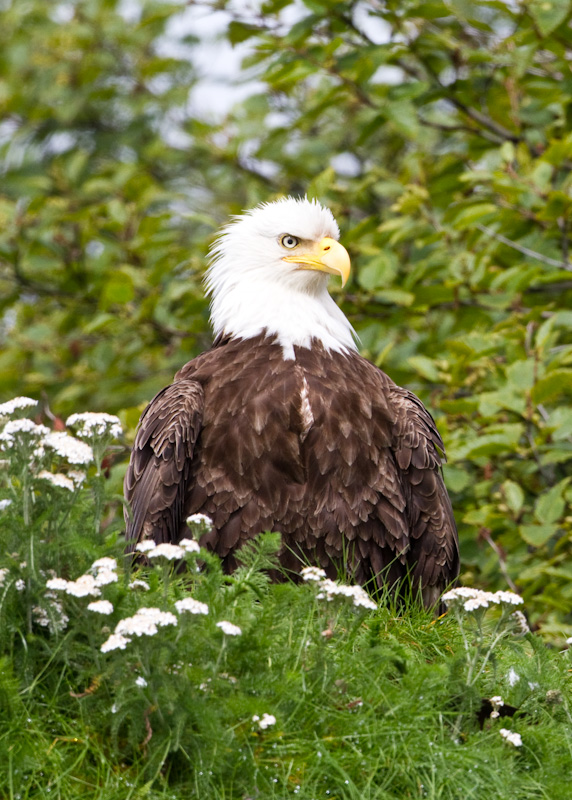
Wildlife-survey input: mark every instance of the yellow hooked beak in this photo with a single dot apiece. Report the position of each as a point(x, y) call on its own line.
point(327, 255)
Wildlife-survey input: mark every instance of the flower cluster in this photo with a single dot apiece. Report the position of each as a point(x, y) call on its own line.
point(90, 424)
point(229, 628)
point(66, 446)
point(166, 550)
point(53, 617)
point(104, 572)
point(474, 599)
point(8, 408)
point(512, 738)
point(266, 722)
point(496, 702)
point(57, 479)
point(191, 605)
point(329, 589)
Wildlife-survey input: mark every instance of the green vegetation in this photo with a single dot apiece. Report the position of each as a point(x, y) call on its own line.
point(131, 681)
point(439, 134)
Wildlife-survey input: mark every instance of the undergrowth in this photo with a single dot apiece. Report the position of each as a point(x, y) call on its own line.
point(132, 680)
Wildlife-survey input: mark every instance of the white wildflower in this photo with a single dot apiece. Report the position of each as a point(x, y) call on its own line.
point(192, 606)
point(474, 603)
point(255, 718)
point(200, 519)
point(82, 587)
point(57, 479)
point(4, 504)
point(59, 584)
point(140, 681)
point(266, 721)
point(18, 430)
point(67, 447)
point(511, 737)
point(90, 424)
point(145, 545)
point(520, 623)
point(189, 546)
point(362, 599)
point(78, 477)
point(139, 584)
point(104, 563)
point(3, 572)
point(229, 628)
point(145, 622)
point(7, 409)
point(159, 617)
point(166, 550)
point(40, 616)
point(105, 576)
point(115, 642)
point(507, 598)
point(512, 677)
point(137, 625)
point(20, 585)
point(312, 573)
point(569, 641)
point(101, 607)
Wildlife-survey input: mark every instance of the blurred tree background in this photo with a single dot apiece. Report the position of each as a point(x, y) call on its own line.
point(438, 133)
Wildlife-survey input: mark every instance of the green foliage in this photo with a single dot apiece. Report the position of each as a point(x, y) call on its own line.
point(438, 133)
point(146, 680)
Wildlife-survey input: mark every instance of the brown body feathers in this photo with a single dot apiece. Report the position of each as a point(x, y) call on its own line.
point(323, 448)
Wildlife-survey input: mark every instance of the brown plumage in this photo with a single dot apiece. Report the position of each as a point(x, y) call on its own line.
point(315, 443)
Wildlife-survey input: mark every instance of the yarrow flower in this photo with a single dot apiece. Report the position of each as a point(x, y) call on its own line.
point(82, 587)
point(513, 738)
point(330, 589)
point(7, 409)
point(101, 607)
point(4, 504)
point(145, 546)
point(191, 605)
point(91, 424)
point(139, 584)
point(145, 622)
point(521, 627)
point(21, 432)
point(512, 677)
point(115, 642)
point(104, 563)
point(140, 681)
point(496, 702)
point(3, 573)
point(166, 550)
point(312, 573)
point(199, 519)
point(57, 479)
point(66, 446)
point(266, 722)
point(229, 628)
point(473, 599)
point(189, 546)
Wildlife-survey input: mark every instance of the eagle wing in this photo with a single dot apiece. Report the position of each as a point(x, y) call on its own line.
point(158, 473)
point(419, 452)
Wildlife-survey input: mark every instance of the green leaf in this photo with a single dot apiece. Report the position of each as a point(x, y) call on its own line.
point(425, 367)
point(513, 495)
point(548, 14)
point(537, 535)
point(550, 506)
point(552, 386)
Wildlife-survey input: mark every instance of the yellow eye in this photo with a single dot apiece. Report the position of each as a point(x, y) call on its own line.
point(289, 241)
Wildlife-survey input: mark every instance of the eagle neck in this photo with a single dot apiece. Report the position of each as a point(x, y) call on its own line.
point(288, 316)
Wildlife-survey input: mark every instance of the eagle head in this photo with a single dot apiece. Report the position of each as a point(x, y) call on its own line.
point(269, 271)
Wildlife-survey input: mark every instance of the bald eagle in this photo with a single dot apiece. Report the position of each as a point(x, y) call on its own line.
point(283, 426)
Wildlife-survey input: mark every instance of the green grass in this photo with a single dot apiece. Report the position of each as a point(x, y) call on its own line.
point(368, 704)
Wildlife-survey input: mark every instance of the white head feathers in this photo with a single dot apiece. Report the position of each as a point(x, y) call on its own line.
point(254, 290)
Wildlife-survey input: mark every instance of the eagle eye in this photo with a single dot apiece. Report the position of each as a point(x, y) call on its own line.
point(289, 241)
